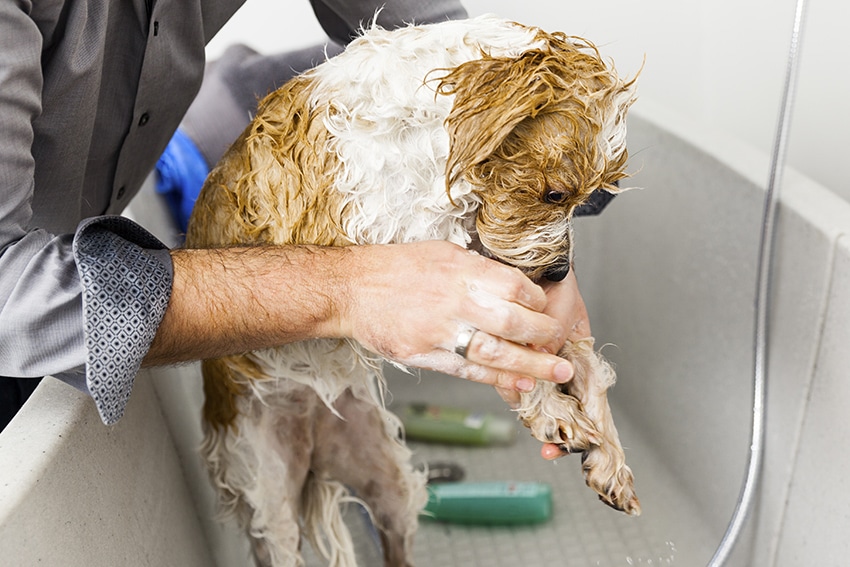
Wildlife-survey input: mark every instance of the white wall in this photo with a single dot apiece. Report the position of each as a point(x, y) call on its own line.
point(269, 26)
point(720, 64)
point(723, 64)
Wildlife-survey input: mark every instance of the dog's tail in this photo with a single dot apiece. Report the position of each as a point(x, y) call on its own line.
point(324, 503)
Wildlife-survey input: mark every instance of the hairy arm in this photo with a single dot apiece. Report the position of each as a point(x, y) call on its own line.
point(407, 302)
point(234, 300)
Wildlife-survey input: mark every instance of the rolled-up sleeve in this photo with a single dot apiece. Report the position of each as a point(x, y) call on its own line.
point(85, 307)
point(126, 276)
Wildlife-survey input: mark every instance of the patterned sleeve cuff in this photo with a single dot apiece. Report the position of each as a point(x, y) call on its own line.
point(126, 275)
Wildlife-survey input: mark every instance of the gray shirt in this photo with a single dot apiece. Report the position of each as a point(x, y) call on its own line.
point(90, 93)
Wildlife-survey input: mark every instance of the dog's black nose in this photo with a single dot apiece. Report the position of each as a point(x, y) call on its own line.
point(557, 273)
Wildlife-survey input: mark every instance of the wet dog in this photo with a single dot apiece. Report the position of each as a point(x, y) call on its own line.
point(483, 132)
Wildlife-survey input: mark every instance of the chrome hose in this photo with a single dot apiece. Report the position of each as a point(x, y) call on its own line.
point(746, 498)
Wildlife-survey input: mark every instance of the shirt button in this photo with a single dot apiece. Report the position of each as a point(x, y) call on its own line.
point(120, 194)
point(144, 118)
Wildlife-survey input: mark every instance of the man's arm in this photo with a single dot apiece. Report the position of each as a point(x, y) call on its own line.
point(406, 302)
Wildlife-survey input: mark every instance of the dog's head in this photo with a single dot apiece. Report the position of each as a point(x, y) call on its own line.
point(535, 135)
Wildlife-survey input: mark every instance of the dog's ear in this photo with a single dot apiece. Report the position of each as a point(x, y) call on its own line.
point(492, 96)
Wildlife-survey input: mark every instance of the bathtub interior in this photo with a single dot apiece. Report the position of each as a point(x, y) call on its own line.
point(582, 531)
point(668, 272)
point(77, 493)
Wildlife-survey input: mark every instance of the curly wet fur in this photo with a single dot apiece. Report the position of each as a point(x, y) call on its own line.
point(483, 132)
point(576, 417)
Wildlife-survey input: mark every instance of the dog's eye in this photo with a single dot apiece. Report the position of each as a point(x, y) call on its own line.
point(554, 197)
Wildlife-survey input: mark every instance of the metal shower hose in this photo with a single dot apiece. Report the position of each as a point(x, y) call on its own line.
point(746, 497)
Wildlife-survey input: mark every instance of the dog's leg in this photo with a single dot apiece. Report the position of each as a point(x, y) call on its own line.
point(604, 463)
point(259, 466)
point(364, 452)
point(579, 419)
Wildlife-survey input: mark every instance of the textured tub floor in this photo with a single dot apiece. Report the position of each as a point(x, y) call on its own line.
point(582, 530)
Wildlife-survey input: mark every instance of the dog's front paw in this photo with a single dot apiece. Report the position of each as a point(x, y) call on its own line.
point(556, 417)
point(607, 474)
point(577, 418)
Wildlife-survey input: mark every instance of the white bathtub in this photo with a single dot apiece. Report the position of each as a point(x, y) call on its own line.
point(669, 276)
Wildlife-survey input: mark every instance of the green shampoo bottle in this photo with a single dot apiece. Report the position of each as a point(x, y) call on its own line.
point(455, 426)
point(489, 503)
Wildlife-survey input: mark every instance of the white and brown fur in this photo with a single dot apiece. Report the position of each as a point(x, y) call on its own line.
point(483, 132)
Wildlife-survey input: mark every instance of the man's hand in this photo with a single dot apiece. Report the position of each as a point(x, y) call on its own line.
point(411, 302)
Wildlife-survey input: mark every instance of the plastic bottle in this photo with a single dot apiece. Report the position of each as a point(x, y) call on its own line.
point(439, 424)
point(489, 503)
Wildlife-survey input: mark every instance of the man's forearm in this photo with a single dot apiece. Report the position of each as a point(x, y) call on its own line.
point(405, 302)
point(234, 300)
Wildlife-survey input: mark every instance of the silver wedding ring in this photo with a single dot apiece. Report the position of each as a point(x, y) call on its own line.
point(463, 340)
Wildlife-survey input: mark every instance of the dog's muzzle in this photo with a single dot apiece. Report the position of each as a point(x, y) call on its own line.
point(557, 273)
